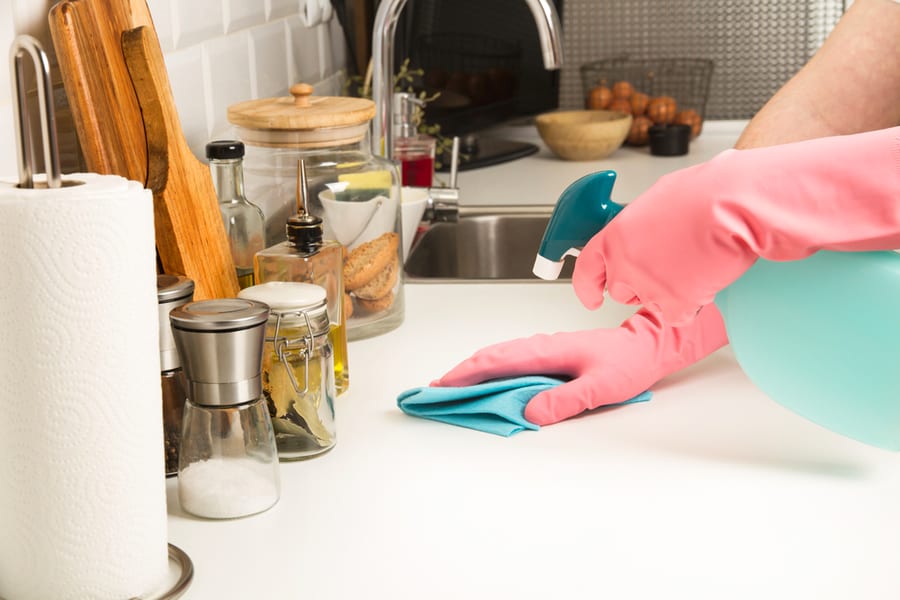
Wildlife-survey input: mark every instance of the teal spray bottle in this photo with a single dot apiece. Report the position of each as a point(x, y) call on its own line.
point(820, 336)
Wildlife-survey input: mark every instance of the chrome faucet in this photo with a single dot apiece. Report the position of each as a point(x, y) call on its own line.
point(549, 31)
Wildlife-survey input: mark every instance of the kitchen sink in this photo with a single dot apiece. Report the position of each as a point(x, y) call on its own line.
point(486, 243)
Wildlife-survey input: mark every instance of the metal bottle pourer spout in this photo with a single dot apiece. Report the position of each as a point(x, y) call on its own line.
point(583, 209)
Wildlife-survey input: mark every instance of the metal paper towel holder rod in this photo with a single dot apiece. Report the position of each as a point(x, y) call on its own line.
point(26, 44)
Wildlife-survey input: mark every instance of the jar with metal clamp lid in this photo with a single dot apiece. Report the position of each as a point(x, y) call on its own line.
point(298, 367)
point(356, 194)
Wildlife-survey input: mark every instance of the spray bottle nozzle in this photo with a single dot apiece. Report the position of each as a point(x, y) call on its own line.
point(583, 209)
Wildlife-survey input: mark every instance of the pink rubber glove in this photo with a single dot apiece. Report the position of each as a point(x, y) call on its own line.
point(697, 230)
point(608, 366)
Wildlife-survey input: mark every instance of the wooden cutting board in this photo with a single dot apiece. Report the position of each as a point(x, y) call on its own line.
point(128, 125)
point(185, 205)
point(87, 38)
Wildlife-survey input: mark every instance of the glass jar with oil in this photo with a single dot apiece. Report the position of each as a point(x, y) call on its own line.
point(306, 257)
point(298, 367)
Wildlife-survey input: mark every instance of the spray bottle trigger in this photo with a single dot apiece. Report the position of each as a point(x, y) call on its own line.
point(582, 210)
point(550, 269)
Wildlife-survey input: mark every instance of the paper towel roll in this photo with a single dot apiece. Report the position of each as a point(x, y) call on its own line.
point(82, 500)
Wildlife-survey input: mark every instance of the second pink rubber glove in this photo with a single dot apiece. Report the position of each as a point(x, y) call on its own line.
point(607, 366)
point(697, 230)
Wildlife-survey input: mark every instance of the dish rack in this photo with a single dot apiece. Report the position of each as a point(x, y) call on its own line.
point(685, 79)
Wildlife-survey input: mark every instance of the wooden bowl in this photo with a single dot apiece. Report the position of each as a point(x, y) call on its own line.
point(583, 134)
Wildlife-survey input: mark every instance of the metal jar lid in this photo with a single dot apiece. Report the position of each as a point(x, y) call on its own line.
point(219, 315)
point(220, 343)
point(302, 120)
point(172, 291)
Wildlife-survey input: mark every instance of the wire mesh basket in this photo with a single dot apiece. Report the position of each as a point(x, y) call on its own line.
point(684, 79)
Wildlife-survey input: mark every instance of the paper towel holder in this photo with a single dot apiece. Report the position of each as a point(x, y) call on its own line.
point(26, 44)
point(179, 559)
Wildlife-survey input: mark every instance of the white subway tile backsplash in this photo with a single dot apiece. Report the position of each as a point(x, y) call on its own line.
point(330, 86)
point(185, 69)
point(197, 20)
point(277, 9)
point(338, 44)
point(219, 52)
point(227, 62)
point(269, 60)
point(326, 60)
point(304, 51)
point(161, 10)
point(241, 14)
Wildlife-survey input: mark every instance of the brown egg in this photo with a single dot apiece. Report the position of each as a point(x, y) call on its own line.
point(639, 102)
point(599, 98)
point(622, 89)
point(502, 82)
point(662, 109)
point(458, 82)
point(478, 88)
point(436, 78)
point(639, 134)
point(691, 117)
point(621, 105)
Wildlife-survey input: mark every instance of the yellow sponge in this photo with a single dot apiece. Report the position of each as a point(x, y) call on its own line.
point(364, 186)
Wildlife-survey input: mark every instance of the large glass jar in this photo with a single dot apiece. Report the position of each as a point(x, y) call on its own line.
point(356, 194)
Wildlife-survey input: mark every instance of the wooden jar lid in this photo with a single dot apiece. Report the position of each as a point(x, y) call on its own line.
point(301, 119)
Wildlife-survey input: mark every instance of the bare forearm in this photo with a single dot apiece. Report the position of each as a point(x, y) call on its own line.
point(851, 85)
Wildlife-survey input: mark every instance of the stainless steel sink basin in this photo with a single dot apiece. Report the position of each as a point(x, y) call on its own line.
point(487, 243)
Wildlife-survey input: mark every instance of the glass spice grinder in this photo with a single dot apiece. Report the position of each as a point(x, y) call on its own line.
point(228, 462)
point(172, 291)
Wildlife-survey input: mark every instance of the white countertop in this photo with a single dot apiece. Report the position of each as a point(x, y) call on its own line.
point(708, 491)
point(540, 178)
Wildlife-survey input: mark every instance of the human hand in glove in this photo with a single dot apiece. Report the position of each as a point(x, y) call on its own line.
point(607, 366)
point(698, 229)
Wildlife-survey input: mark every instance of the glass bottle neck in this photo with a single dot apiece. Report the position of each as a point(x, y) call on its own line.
point(228, 179)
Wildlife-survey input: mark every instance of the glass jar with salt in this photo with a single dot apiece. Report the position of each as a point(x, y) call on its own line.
point(227, 461)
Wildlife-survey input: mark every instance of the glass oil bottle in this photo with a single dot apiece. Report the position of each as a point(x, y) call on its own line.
point(244, 221)
point(305, 257)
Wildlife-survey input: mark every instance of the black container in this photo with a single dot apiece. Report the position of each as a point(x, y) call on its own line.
point(669, 140)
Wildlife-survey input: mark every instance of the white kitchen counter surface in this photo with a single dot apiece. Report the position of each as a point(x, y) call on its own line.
point(541, 177)
point(708, 491)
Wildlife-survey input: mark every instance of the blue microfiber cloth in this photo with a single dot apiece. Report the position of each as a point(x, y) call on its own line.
point(496, 407)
